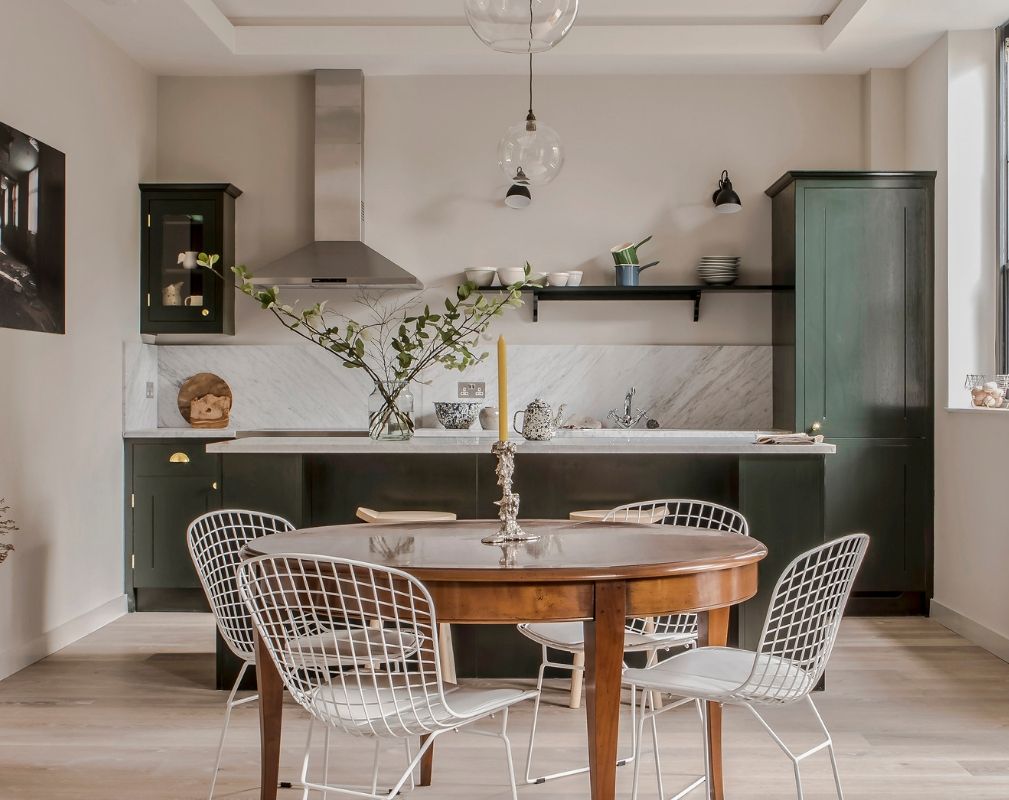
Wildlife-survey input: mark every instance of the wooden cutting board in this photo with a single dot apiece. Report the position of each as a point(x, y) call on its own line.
point(200, 385)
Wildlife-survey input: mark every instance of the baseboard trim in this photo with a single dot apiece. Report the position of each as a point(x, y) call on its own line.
point(17, 658)
point(974, 632)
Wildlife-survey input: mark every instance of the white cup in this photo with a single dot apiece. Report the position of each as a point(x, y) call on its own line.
point(558, 278)
point(575, 278)
point(188, 259)
point(194, 300)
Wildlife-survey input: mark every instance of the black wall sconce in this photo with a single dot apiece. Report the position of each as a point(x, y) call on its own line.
point(725, 199)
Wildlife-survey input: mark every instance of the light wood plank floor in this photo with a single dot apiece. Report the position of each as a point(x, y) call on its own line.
point(917, 713)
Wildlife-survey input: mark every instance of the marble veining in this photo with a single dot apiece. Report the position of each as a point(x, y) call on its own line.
point(720, 387)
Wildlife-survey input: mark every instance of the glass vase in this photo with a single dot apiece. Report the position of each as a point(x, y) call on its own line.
point(390, 412)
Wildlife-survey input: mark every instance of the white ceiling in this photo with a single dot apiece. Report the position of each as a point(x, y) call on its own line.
point(390, 37)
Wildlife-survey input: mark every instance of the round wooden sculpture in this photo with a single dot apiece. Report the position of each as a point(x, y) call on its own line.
point(213, 399)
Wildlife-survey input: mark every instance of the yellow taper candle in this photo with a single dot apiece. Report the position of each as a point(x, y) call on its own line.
point(502, 389)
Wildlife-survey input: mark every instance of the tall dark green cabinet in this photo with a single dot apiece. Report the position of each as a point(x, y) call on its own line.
point(853, 360)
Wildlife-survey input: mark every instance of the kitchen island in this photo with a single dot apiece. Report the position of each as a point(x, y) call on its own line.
point(321, 480)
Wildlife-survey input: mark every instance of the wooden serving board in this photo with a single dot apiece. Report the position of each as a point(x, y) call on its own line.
point(200, 385)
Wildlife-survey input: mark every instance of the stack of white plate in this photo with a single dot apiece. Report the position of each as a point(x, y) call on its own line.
point(720, 270)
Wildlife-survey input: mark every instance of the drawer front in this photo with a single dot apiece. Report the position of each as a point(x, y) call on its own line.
point(179, 458)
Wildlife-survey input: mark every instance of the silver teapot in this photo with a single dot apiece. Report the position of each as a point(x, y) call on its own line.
point(539, 423)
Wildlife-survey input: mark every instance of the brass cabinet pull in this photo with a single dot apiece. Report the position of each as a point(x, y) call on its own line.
point(214, 486)
point(206, 312)
point(178, 458)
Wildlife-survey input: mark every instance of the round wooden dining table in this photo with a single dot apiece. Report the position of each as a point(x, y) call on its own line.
point(599, 572)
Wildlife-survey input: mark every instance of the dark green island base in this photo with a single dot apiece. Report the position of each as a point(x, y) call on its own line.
point(780, 495)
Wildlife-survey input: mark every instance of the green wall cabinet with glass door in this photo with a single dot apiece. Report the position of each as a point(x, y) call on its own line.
point(178, 221)
point(853, 358)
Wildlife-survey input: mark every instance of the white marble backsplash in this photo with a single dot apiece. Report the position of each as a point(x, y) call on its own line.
point(718, 387)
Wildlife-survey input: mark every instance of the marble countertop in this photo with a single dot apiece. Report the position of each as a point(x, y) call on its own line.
point(181, 433)
point(714, 442)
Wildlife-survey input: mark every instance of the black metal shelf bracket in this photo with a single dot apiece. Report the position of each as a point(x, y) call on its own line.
point(638, 293)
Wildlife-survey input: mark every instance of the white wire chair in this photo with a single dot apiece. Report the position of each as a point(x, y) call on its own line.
point(650, 635)
point(799, 632)
point(372, 608)
point(215, 544)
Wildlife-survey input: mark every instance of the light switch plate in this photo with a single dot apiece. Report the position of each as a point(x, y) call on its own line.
point(472, 390)
point(150, 390)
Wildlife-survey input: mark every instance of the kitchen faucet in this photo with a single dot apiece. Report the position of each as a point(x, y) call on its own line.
point(629, 418)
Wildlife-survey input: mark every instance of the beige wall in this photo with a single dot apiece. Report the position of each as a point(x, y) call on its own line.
point(60, 396)
point(950, 128)
point(643, 156)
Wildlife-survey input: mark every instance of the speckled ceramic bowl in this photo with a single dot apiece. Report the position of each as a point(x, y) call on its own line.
point(458, 415)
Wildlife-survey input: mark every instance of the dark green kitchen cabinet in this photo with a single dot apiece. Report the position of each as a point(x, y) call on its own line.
point(169, 484)
point(179, 221)
point(853, 356)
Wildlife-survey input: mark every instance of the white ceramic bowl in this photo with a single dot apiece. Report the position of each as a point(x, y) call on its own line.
point(510, 275)
point(481, 277)
point(558, 278)
point(575, 278)
point(539, 278)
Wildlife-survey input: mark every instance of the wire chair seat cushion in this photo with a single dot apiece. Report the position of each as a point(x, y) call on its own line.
point(570, 637)
point(350, 647)
point(391, 706)
point(722, 674)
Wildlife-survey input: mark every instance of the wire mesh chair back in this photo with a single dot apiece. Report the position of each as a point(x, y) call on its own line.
point(215, 543)
point(356, 644)
point(803, 620)
point(698, 514)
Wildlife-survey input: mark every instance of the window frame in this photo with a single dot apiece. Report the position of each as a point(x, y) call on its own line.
point(1002, 172)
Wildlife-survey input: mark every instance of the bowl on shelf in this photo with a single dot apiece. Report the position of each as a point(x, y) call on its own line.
point(481, 277)
point(558, 278)
point(575, 277)
point(457, 415)
point(510, 275)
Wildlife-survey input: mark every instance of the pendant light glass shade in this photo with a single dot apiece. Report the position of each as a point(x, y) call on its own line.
point(521, 26)
point(530, 153)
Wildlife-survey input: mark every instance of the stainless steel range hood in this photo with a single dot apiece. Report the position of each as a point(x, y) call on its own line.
point(338, 257)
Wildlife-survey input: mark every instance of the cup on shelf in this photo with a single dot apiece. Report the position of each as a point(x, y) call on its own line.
point(194, 300)
point(188, 259)
point(575, 277)
point(558, 278)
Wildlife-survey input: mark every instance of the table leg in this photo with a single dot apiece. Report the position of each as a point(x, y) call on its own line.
point(426, 762)
point(271, 712)
point(604, 653)
point(715, 633)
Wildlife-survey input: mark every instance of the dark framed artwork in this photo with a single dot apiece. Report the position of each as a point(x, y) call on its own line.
point(32, 233)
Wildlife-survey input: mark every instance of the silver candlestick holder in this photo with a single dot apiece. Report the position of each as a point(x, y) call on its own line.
point(508, 505)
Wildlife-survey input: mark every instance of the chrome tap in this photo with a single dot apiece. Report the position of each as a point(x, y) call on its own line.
point(630, 417)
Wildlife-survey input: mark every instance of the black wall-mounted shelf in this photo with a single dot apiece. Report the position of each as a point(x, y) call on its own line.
point(692, 293)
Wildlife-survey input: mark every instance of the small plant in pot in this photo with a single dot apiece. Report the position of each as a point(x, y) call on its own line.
point(395, 342)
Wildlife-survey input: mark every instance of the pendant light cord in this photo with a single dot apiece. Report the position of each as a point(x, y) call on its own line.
point(531, 116)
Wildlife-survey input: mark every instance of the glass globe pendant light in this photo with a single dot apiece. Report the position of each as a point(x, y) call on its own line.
point(530, 153)
point(518, 26)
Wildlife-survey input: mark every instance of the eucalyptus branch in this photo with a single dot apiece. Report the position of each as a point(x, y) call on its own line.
point(396, 342)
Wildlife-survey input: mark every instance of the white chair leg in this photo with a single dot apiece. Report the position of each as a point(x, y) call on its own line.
point(446, 653)
point(325, 762)
point(830, 748)
point(307, 758)
point(374, 766)
point(224, 730)
point(536, 714)
point(577, 675)
point(637, 745)
point(508, 755)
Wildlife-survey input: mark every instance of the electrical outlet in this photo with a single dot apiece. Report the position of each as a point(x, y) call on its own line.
point(472, 390)
point(150, 390)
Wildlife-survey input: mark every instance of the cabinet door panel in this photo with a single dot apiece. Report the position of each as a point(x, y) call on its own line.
point(882, 487)
point(164, 509)
point(865, 297)
point(178, 293)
